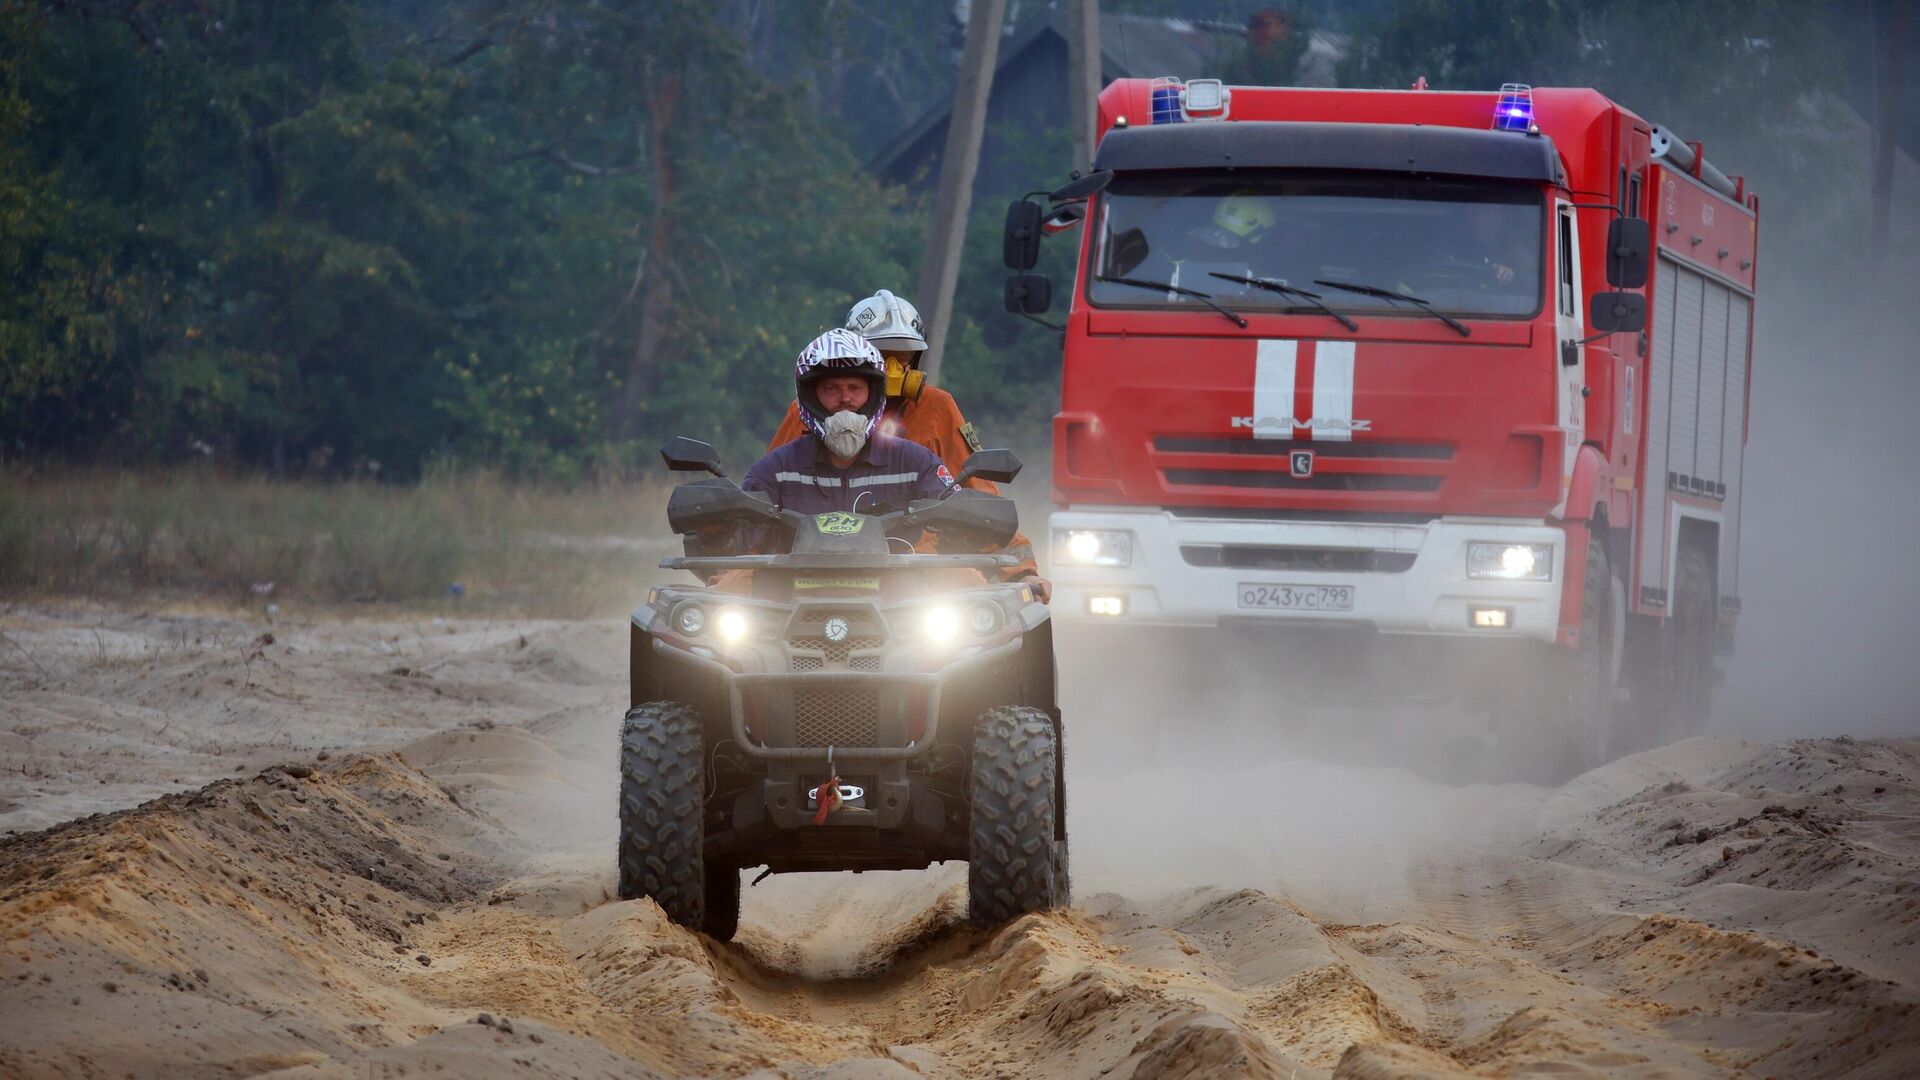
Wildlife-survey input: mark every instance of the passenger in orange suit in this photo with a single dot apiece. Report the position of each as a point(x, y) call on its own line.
point(921, 412)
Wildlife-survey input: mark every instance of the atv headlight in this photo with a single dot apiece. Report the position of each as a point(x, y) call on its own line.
point(1093, 547)
point(983, 619)
point(941, 623)
point(690, 620)
point(1510, 562)
point(733, 625)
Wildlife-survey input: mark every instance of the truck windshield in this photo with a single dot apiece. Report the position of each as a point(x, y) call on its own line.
point(1466, 247)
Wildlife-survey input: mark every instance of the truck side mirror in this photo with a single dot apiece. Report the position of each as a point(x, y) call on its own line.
point(1022, 247)
point(691, 455)
point(999, 466)
point(1628, 241)
point(1029, 294)
point(1618, 313)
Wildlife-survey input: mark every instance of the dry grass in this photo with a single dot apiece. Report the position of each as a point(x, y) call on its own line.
point(469, 540)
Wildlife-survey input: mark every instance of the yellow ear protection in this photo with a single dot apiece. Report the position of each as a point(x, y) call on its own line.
point(903, 380)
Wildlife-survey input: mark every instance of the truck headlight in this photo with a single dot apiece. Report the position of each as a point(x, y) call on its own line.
point(1093, 547)
point(1510, 562)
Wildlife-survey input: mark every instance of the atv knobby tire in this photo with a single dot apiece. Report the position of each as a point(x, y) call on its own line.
point(1013, 864)
point(662, 799)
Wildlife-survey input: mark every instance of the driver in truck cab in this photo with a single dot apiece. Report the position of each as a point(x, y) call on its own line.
point(918, 411)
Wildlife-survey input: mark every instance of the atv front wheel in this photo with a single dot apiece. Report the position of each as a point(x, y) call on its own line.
point(1013, 864)
point(662, 839)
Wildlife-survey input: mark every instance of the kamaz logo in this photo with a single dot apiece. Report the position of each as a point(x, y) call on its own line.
point(1288, 423)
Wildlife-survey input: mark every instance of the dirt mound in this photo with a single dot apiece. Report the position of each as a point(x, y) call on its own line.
point(443, 906)
point(193, 918)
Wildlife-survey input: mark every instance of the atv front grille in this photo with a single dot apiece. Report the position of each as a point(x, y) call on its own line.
point(835, 653)
point(836, 718)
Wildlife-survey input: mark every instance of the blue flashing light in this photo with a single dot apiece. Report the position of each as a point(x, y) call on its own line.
point(1515, 111)
point(1166, 102)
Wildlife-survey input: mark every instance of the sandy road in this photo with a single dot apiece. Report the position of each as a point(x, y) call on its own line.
point(384, 849)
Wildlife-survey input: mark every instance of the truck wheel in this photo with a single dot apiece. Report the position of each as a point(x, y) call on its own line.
point(1690, 646)
point(1011, 853)
point(662, 838)
point(1556, 724)
point(1587, 726)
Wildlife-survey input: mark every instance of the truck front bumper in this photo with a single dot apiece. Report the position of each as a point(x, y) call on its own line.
point(1405, 578)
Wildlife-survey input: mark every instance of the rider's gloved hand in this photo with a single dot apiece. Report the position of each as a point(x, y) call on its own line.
point(1042, 588)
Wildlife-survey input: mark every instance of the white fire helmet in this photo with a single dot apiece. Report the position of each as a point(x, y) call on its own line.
point(889, 322)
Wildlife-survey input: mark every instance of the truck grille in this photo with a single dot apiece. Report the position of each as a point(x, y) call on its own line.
point(836, 718)
point(1319, 481)
point(1332, 559)
point(1170, 444)
point(1262, 463)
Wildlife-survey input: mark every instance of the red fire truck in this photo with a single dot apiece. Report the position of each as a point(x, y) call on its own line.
point(1461, 372)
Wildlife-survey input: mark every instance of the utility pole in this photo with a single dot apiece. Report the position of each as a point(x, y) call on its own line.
point(1083, 77)
point(1888, 119)
point(940, 265)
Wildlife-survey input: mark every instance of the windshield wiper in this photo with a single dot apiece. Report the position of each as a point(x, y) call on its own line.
point(1285, 289)
point(1162, 286)
point(1389, 294)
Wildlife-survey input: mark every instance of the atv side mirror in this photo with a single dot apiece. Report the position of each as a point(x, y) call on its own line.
point(1029, 294)
point(1083, 186)
point(1618, 313)
point(968, 521)
point(691, 455)
point(713, 504)
point(1628, 240)
point(999, 466)
point(1021, 248)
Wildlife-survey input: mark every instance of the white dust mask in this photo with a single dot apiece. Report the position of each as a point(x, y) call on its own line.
point(846, 433)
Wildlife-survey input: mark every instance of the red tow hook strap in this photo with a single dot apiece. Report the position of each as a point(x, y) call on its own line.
point(829, 799)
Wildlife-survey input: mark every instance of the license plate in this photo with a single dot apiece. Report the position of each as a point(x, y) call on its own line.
point(1296, 597)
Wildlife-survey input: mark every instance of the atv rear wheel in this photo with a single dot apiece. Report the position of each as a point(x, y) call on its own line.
point(662, 839)
point(1013, 863)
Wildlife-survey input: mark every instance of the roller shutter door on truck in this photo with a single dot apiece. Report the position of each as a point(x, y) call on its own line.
point(1696, 416)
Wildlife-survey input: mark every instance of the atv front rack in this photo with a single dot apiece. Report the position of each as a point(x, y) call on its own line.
point(930, 681)
point(711, 564)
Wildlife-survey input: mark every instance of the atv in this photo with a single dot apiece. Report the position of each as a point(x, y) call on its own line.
point(860, 706)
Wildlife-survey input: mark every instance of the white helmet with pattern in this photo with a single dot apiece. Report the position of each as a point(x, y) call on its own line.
point(833, 354)
point(889, 322)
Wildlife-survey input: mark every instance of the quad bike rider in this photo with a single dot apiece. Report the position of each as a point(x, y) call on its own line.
point(855, 701)
point(919, 411)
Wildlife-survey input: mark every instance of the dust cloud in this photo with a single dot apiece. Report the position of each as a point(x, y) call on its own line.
point(1830, 623)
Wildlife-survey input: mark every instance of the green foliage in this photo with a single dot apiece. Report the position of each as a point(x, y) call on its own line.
point(1734, 68)
point(335, 237)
